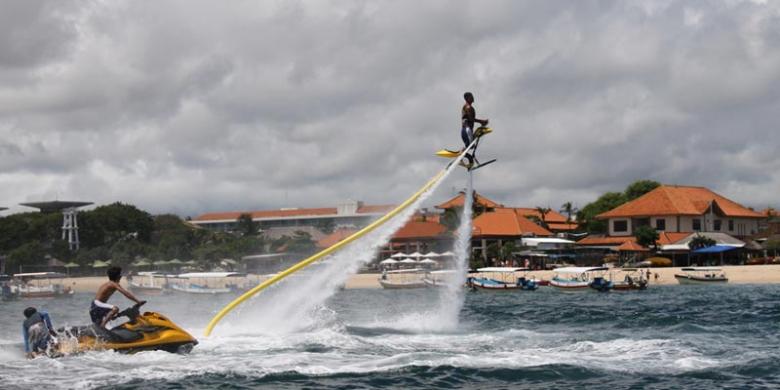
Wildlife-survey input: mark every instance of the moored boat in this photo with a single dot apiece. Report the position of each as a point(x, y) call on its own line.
point(580, 279)
point(701, 275)
point(208, 282)
point(150, 283)
point(501, 279)
point(633, 279)
point(440, 278)
point(402, 279)
point(40, 285)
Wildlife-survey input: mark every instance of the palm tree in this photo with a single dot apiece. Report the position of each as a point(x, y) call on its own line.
point(568, 209)
point(543, 211)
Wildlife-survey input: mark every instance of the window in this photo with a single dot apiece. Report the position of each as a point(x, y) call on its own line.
point(716, 225)
point(696, 224)
point(620, 226)
point(660, 224)
point(731, 225)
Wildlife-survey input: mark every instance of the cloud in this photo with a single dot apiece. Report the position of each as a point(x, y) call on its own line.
point(191, 107)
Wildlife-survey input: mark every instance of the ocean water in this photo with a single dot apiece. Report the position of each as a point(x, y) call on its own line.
point(668, 337)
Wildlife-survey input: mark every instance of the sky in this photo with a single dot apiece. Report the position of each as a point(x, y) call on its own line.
point(189, 107)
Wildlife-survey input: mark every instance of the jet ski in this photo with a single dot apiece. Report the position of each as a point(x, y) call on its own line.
point(149, 331)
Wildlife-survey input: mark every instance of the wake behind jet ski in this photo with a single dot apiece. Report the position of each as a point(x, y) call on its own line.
point(150, 331)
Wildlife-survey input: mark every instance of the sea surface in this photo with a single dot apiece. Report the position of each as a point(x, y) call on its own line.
point(668, 337)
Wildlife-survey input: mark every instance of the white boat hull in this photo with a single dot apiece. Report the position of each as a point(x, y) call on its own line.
point(201, 290)
point(687, 279)
point(402, 285)
point(570, 286)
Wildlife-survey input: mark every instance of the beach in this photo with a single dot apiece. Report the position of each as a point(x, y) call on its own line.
point(739, 274)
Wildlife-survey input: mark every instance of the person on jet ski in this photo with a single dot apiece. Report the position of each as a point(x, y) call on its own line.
point(38, 332)
point(100, 311)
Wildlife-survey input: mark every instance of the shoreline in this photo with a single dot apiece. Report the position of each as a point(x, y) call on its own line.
point(738, 274)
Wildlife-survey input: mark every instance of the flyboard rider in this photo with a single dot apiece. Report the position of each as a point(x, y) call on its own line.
point(468, 116)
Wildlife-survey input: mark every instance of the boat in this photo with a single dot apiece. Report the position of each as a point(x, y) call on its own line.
point(579, 279)
point(208, 282)
point(40, 285)
point(633, 279)
point(402, 279)
point(149, 331)
point(438, 279)
point(150, 283)
point(701, 275)
point(501, 279)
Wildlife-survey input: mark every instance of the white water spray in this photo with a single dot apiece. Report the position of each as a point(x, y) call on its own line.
point(293, 304)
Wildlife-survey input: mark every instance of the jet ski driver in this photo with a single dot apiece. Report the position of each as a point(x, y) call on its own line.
point(468, 116)
point(100, 311)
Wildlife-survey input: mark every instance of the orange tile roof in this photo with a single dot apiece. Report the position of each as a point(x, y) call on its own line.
point(506, 222)
point(678, 200)
point(287, 213)
point(666, 238)
point(602, 240)
point(458, 202)
point(562, 226)
point(552, 216)
point(335, 237)
point(631, 246)
point(420, 229)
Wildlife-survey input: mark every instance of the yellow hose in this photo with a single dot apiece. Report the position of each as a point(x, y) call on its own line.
point(222, 313)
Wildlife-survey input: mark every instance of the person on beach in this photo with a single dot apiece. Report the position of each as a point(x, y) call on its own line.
point(100, 311)
point(38, 332)
point(468, 116)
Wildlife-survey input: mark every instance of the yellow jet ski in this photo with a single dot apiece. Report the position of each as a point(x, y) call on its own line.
point(149, 331)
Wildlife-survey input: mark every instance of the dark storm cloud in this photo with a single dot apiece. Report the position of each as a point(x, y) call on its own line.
point(198, 106)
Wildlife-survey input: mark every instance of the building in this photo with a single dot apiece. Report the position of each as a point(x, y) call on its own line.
point(682, 209)
point(350, 214)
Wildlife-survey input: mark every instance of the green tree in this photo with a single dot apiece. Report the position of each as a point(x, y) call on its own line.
point(639, 188)
point(507, 250)
point(246, 226)
point(587, 215)
point(450, 219)
point(646, 236)
point(700, 241)
point(28, 257)
point(568, 209)
point(543, 211)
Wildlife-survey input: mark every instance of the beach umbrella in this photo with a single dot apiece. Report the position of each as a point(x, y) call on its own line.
point(409, 261)
point(388, 261)
point(101, 264)
point(447, 253)
point(141, 263)
point(416, 255)
point(432, 254)
point(399, 255)
point(160, 262)
point(191, 262)
point(428, 261)
point(71, 265)
point(175, 262)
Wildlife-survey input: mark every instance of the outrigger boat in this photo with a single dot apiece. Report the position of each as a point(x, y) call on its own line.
point(402, 279)
point(701, 275)
point(149, 331)
point(580, 279)
point(150, 283)
point(502, 279)
point(207, 282)
point(438, 279)
point(632, 280)
point(40, 285)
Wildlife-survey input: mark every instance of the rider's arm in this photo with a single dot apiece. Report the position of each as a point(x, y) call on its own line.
point(47, 320)
point(126, 293)
point(26, 339)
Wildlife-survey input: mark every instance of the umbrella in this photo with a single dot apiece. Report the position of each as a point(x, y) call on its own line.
point(141, 263)
point(71, 265)
point(416, 254)
point(388, 261)
point(447, 253)
point(432, 254)
point(399, 255)
point(101, 264)
point(409, 261)
point(175, 262)
point(191, 262)
point(160, 262)
point(428, 261)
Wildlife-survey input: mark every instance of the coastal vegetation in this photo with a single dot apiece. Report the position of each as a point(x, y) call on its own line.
point(608, 201)
point(123, 234)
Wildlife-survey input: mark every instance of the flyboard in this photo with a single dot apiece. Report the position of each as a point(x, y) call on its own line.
point(478, 133)
point(362, 232)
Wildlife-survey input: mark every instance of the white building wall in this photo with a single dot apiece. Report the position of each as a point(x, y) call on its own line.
point(612, 232)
